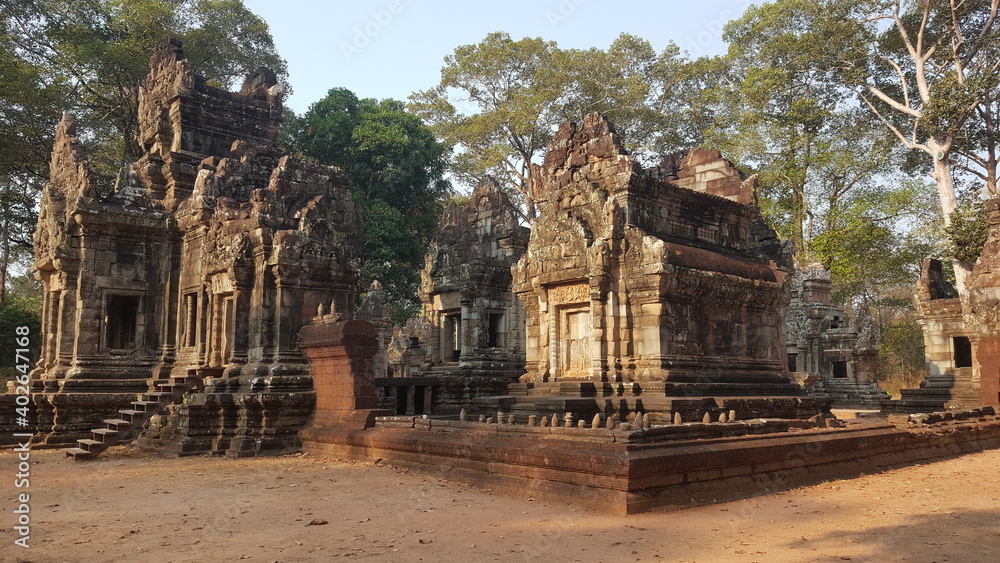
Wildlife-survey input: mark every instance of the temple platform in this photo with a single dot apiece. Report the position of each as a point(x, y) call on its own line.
point(627, 471)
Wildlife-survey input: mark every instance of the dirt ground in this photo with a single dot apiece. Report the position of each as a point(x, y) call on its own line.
point(129, 506)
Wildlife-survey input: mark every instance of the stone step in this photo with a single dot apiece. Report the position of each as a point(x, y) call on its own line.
point(145, 405)
point(89, 445)
point(134, 418)
point(105, 434)
point(77, 453)
point(116, 422)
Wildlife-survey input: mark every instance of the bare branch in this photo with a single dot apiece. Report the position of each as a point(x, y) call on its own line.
point(902, 80)
point(981, 175)
point(910, 144)
point(891, 102)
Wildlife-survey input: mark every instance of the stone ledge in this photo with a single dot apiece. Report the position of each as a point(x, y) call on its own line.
point(627, 478)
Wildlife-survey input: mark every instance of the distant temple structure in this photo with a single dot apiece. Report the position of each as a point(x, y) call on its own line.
point(832, 355)
point(471, 340)
point(952, 380)
point(210, 255)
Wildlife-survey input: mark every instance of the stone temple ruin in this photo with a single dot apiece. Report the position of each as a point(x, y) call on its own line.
point(960, 338)
point(628, 352)
point(205, 262)
point(951, 380)
point(649, 307)
point(828, 353)
point(645, 296)
point(473, 342)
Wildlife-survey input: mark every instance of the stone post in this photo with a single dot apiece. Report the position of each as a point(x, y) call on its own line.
point(341, 355)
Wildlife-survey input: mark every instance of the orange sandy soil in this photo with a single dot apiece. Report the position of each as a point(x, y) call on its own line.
point(129, 506)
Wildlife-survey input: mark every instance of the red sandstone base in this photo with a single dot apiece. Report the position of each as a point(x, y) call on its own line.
point(614, 471)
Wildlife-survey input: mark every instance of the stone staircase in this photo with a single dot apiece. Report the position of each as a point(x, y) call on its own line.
point(850, 394)
point(132, 420)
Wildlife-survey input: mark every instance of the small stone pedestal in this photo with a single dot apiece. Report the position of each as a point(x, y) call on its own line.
point(342, 359)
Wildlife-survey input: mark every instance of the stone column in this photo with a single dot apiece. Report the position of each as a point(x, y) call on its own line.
point(411, 399)
point(50, 324)
point(260, 341)
point(171, 302)
point(67, 319)
point(428, 399)
point(215, 333)
point(242, 291)
point(469, 326)
point(598, 335)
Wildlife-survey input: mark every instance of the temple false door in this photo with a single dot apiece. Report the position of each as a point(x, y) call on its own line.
point(228, 322)
point(574, 343)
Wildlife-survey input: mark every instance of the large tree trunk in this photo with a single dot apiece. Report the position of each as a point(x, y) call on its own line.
point(946, 192)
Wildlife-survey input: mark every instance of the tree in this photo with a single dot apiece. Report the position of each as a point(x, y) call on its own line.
point(978, 145)
point(870, 243)
point(515, 87)
point(396, 168)
point(499, 102)
point(924, 68)
point(29, 105)
point(647, 95)
point(786, 117)
point(21, 308)
point(968, 229)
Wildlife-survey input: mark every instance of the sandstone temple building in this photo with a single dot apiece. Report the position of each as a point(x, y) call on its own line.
point(831, 354)
point(470, 342)
point(658, 290)
point(206, 260)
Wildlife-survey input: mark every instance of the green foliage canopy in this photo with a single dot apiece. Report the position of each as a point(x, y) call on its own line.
point(396, 168)
point(500, 100)
point(968, 229)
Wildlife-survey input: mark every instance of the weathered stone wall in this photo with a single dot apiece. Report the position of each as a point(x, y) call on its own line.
point(984, 300)
point(671, 467)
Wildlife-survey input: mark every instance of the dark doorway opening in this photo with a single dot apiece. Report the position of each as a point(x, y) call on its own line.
point(120, 319)
point(963, 352)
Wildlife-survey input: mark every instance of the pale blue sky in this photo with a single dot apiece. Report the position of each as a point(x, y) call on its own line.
point(391, 48)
